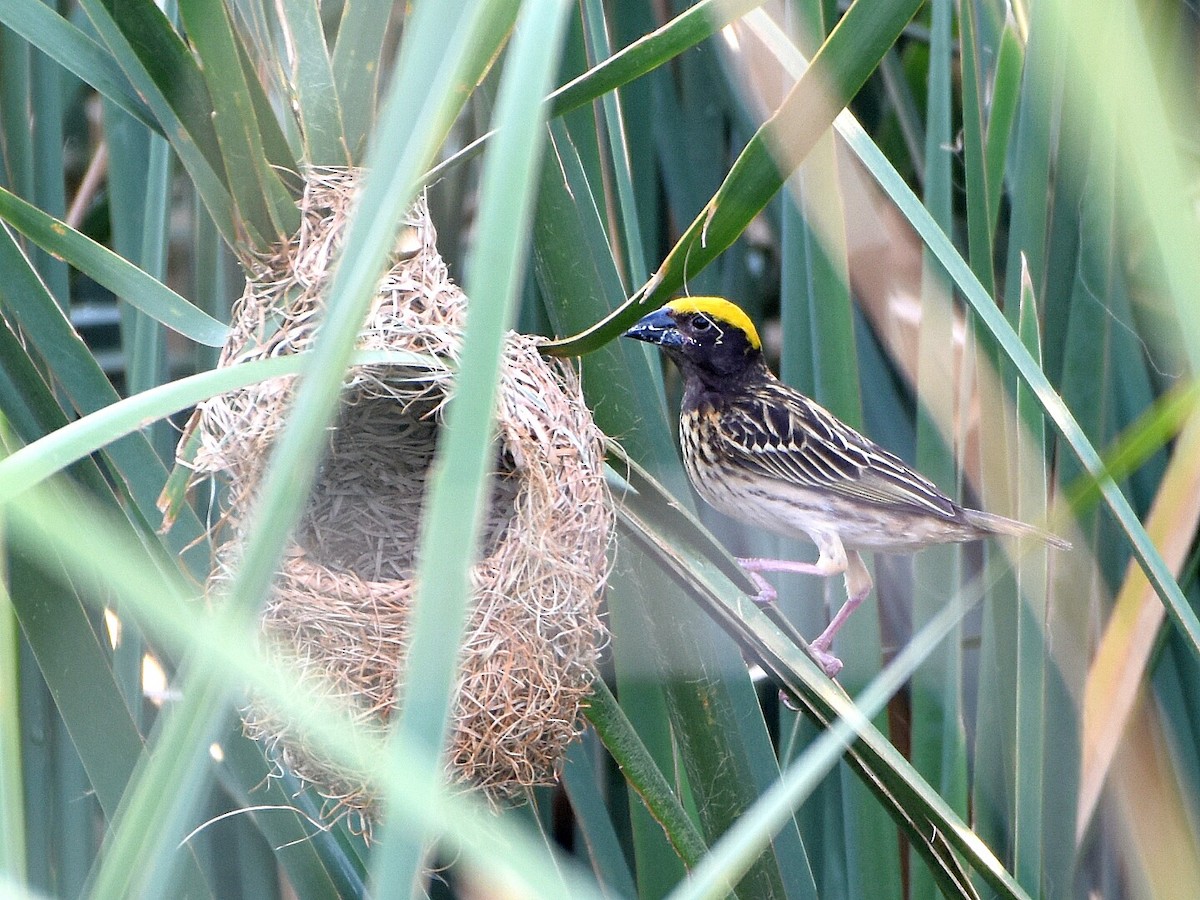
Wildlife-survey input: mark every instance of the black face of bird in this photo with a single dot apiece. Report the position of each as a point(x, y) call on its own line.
point(699, 342)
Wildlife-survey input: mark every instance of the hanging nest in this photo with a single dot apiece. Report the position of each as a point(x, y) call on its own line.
point(339, 611)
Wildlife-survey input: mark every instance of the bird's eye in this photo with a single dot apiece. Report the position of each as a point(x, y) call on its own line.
point(701, 323)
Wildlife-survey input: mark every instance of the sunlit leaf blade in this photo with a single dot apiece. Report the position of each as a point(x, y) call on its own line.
point(1108, 54)
point(1127, 643)
point(39, 24)
point(38, 461)
point(45, 525)
point(838, 70)
point(12, 818)
point(1036, 798)
point(263, 203)
point(313, 80)
point(1030, 373)
point(120, 276)
point(1075, 158)
point(452, 527)
point(163, 73)
point(939, 720)
point(425, 100)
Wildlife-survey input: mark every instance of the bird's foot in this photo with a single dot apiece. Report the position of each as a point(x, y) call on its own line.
point(818, 649)
point(766, 591)
point(822, 656)
point(754, 566)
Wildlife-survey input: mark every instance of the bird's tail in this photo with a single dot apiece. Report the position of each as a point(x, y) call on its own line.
point(995, 524)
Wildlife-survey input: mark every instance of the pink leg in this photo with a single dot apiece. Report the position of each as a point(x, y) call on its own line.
point(858, 585)
point(834, 559)
point(753, 565)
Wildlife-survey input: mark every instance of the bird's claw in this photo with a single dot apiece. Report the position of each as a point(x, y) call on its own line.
point(766, 597)
point(766, 591)
point(829, 663)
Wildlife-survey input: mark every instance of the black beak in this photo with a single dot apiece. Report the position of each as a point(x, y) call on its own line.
point(657, 328)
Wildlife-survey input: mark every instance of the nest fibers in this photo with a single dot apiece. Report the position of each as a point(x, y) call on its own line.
point(339, 612)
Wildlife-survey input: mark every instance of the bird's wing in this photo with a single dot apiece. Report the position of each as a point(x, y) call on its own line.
point(779, 433)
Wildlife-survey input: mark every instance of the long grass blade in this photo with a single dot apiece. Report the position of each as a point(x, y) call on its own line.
point(161, 71)
point(418, 115)
point(46, 525)
point(688, 29)
point(1113, 52)
point(578, 280)
point(1033, 795)
point(48, 127)
point(596, 821)
point(120, 276)
point(1030, 373)
point(980, 231)
point(308, 853)
point(313, 81)
point(684, 549)
point(356, 63)
point(938, 737)
point(1130, 636)
point(644, 776)
point(737, 848)
point(1002, 113)
point(618, 149)
point(78, 675)
point(44, 458)
point(451, 529)
point(264, 205)
point(76, 52)
point(838, 70)
point(15, 97)
point(26, 303)
point(12, 806)
point(678, 678)
point(644, 55)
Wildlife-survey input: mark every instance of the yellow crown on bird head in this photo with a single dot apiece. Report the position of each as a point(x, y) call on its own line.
point(719, 310)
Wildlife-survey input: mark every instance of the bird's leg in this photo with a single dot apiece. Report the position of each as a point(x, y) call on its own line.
point(834, 560)
point(754, 565)
point(858, 585)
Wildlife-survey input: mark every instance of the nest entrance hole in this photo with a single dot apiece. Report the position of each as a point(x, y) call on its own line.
point(365, 510)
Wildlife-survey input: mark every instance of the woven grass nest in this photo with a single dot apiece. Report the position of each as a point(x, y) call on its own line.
point(340, 607)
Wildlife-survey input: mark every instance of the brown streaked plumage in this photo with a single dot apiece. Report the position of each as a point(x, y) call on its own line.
point(765, 454)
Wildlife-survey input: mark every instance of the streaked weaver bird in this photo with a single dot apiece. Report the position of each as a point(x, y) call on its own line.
point(765, 454)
